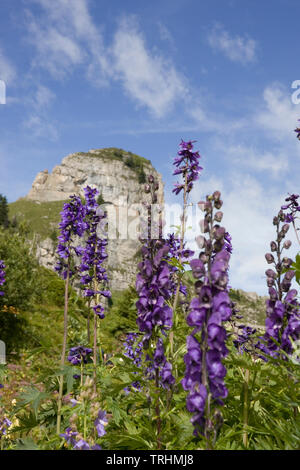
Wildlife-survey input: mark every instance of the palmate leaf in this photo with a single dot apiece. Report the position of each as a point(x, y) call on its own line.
point(32, 396)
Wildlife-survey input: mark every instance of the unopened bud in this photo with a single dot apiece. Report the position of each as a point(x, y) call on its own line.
point(216, 195)
point(289, 276)
point(285, 228)
point(269, 257)
point(200, 241)
point(273, 246)
point(218, 204)
point(218, 216)
point(287, 262)
point(287, 244)
point(204, 227)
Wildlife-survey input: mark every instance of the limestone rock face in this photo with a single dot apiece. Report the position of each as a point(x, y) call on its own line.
point(119, 177)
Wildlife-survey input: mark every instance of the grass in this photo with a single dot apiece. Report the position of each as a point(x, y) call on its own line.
point(40, 218)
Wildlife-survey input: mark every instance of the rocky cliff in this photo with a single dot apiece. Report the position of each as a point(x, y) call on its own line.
point(119, 177)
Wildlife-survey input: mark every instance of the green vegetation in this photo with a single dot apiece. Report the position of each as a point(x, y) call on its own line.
point(4, 222)
point(135, 162)
point(41, 218)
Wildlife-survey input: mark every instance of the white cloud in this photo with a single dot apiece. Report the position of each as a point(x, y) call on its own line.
point(278, 115)
point(7, 69)
point(236, 48)
point(249, 207)
point(65, 36)
point(40, 127)
point(274, 164)
point(148, 78)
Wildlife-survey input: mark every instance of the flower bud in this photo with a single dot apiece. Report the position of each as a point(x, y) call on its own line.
point(270, 282)
point(285, 228)
point(203, 257)
point(273, 246)
point(197, 268)
point(156, 186)
point(269, 257)
point(204, 227)
point(281, 215)
point(289, 276)
point(285, 286)
point(151, 179)
point(287, 262)
point(201, 205)
point(218, 204)
point(287, 244)
point(271, 273)
point(219, 233)
point(200, 241)
point(147, 188)
point(275, 221)
point(216, 195)
point(218, 216)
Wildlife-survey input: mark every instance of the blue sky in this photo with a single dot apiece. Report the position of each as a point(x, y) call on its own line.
point(141, 75)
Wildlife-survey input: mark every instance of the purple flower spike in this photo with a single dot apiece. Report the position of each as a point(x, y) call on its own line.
point(187, 165)
point(205, 372)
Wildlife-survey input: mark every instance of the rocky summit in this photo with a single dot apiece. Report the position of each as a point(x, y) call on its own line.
point(119, 177)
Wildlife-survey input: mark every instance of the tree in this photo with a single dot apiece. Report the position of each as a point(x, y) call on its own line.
point(3, 212)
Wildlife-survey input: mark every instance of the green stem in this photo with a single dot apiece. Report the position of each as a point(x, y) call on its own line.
point(246, 408)
point(63, 354)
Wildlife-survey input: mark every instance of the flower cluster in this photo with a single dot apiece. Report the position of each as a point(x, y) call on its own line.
point(176, 253)
point(93, 254)
point(187, 163)
point(2, 275)
point(293, 207)
point(79, 355)
point(204, 375)
point(153, 285)
point(5, 423)
point(86, 405)
point(72, 224)
point(74, 439)
point(282, 309)
point(244, 340)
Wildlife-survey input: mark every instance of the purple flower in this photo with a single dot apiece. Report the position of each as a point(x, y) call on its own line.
point(100, 422)
point(187, 165)
point(282, 309)
point(2, 275)
point(69, 436)
point(205, 372)
point(79, 354)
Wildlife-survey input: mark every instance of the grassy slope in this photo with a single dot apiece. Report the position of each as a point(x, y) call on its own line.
point(41, 218)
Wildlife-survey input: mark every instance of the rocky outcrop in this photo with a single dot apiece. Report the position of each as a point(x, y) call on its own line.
point(119, 177)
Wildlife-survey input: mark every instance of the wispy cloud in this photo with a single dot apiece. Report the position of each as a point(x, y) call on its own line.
point(65, 36)
point(150, 79)
point(7, 69)
point(277, 115)
point(236, 48)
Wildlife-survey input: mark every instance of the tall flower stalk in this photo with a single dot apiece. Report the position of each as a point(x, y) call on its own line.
point(204, 375)
point(92, 271)
point(72, 224)
point(187, 165)
point(153, 285)
point(282, 309)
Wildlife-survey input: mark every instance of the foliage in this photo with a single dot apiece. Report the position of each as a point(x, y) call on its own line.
point(4, 222)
